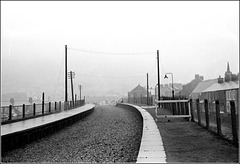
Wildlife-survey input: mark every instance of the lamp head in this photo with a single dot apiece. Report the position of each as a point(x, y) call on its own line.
point(165, 77)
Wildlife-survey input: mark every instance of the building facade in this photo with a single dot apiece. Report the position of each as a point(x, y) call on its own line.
point(225, 90)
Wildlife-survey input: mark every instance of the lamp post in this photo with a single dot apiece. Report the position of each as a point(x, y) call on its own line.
point(156, 91)
point(165, 77)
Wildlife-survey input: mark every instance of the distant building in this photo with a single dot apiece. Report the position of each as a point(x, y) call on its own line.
point(223, 89)
point(138, 91)
point(201, 87)
point(189, 87)
point(166, 89)
point(138, 95)
point(224, 92)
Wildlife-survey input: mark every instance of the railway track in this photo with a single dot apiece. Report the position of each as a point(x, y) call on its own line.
point(108, 134)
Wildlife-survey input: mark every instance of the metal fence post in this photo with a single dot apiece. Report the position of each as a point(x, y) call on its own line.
point(10, 112)
point(59, 105)
point(55, 105)
point(234, 123)
point(49, 107)
point(23, 111)
point(34, 109)
point(218, 118)
point(198, 112)
point(43, 103)
point(206, 113)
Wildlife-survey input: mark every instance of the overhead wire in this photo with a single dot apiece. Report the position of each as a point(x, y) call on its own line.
point(58, 78)
point(110, 53)
point(101, 76)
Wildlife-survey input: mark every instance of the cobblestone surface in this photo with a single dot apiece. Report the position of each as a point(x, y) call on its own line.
point(109, 134)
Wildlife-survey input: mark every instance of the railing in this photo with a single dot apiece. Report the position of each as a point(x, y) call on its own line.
point(214, 117)
point(17, 113)
point(176, 108)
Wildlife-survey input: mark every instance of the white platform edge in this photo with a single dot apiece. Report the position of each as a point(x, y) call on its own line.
point(151, 148)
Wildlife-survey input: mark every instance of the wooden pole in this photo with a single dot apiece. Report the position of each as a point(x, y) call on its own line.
point(66, 74)
point(147, 89)
point(234, 123)
point(72, 88)
point(75, 99)
point(158, 77)
point(206, 113)
point(190, 106)
point(198, 112)
point(218, 118)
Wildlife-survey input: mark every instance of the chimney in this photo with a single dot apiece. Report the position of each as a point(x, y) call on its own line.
point(220, 79)
point(227, 78)
point(234, 77)
point(197, 76)
point(201, 78)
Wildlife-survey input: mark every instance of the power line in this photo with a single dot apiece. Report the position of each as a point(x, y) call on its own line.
point(111, 53)
point(60, 70)
point(100, 76)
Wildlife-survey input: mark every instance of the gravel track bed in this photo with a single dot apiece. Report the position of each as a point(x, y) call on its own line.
point(109, 134)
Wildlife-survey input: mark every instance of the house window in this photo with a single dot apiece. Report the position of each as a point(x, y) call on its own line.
point(228, 107)
point(228, 95)
point(233, 94)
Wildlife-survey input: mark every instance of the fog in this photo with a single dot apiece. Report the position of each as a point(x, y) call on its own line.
point(192, 38)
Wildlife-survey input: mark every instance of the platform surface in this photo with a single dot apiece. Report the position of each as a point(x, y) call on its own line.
point(39, 121)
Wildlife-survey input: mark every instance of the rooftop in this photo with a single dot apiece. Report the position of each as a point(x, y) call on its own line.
point(223, 86)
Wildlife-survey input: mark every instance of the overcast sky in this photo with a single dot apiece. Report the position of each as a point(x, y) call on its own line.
point(196, 37)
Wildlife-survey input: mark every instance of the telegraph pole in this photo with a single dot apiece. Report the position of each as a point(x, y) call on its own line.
point(75, 99)
point(147, 89)
point(158, 78)
point(71, 76)
point(66, 74)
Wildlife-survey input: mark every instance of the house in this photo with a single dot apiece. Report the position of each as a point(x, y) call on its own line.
point(224, 90)
point(138, 91)
point(189, 87)
point(201, 87)
point(139, 95)
point(166, 89)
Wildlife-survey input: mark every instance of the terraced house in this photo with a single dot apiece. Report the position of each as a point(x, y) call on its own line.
point(224, 89)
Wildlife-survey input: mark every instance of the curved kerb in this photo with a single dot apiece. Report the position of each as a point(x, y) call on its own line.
point(151, 148)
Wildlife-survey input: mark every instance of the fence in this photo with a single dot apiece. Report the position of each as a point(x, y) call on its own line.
point(214, 117)
point(173, 109)
point(16, 113)
point(141, 100)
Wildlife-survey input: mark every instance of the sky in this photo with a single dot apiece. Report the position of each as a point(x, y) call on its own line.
point(113, 45)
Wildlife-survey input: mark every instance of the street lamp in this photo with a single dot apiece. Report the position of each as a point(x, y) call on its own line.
point(165, 77)
point(156, 91)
